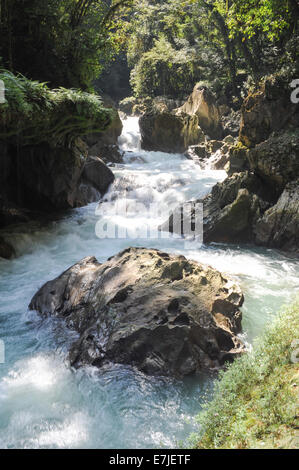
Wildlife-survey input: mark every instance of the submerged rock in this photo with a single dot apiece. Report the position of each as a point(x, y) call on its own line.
point(158, 312)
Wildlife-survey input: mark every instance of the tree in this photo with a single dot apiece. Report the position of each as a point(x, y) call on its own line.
point(64, 42)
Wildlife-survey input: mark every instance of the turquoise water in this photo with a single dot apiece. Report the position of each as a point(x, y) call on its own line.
point(46, 404)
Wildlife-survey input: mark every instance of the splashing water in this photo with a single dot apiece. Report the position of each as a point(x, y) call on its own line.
point(44, 403)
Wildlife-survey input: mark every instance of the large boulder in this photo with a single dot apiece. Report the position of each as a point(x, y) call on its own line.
point(104, 144)
point(279, 226)
point(230, 210)
point(95, 181)
point(158, 312)
point(277, 159)
point(162, 130)
point(201, 103)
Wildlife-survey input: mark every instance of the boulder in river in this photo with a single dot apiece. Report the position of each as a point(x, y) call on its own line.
point(104, 144)
point(164, 131)
point(231, 209)
point(201, 103)
point(161, 313)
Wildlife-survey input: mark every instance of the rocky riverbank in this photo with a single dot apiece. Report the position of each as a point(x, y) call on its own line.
point(45, 165)
point(259, 200)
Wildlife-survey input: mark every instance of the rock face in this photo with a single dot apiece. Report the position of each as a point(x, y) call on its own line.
point(168, 128)
point(258, 202)
point(45, 178)
point(94, 182)
point(6, 250)
point(162, 130)
point(160, 313)
point(230, 210)
point(202, 104)
point(267, 110)
point(277, 159)
point(279, 226)
point(104, 145)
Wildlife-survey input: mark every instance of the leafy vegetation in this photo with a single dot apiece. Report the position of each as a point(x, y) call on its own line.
point(63, 42)
point(256, 400)
point(34, 113)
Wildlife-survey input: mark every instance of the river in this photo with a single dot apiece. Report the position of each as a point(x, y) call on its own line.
point(46, 404)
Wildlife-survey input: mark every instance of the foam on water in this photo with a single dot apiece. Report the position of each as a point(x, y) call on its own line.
point(43, 403)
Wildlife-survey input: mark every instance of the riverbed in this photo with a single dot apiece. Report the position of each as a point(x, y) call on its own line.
point(46, 404)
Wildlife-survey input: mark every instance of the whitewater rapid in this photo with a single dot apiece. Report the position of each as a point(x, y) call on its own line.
point(46, 404)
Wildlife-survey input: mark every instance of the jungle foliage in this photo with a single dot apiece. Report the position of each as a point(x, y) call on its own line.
point(35, 113)
point(173, 44)
point(62, 42)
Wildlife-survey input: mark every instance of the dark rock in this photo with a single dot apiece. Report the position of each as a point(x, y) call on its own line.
point(277, 159)
point(127, 104)
point(231, 123)
point(158, 312)
point(230, 210)
point(6, 250)
point(267, 110)
point(43, 179)
point(238, 159)
point(279, 226)
point(104, 144)
point(167, 132)
point(95, 181)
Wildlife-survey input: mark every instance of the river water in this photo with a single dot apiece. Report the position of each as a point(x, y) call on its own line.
point(46, 404)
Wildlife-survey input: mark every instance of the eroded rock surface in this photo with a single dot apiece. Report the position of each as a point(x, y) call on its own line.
point(158, 312)
point(279, 226)
point(201, 103)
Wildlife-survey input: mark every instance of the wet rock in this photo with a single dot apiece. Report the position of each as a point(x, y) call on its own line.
point(158, 312)
point(231, 209)
point(104, 144)
point(95, 181)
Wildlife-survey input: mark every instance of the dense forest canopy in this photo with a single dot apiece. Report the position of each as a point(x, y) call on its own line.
point(175, 44)
point(170, 44)
point(63, 42)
